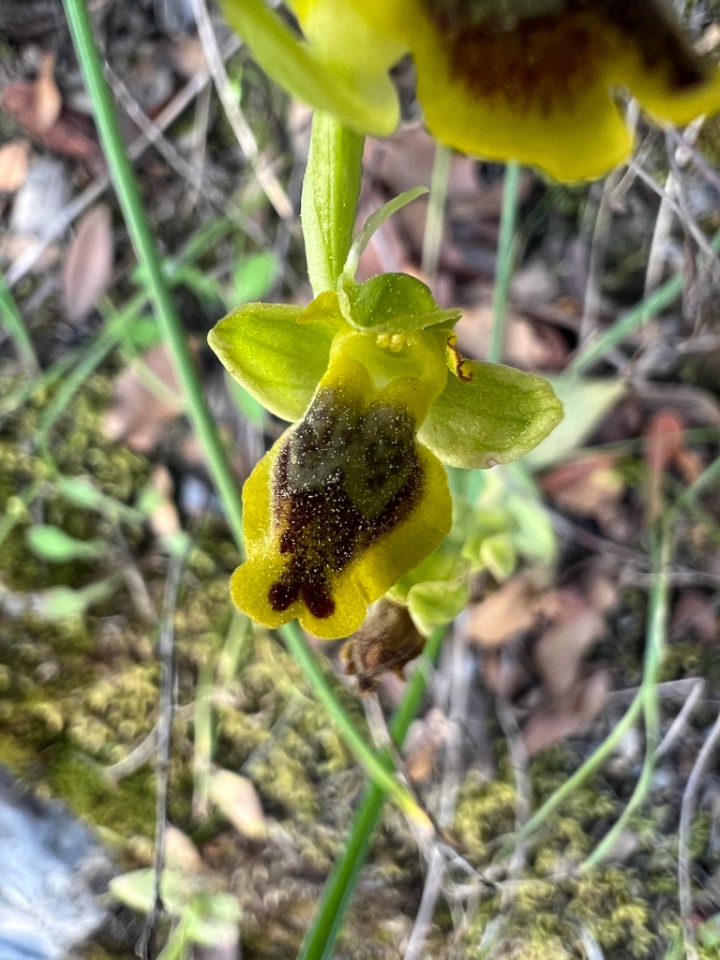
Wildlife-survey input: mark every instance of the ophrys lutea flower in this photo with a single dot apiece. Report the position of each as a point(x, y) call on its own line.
point(354, 495)
point(530, 80)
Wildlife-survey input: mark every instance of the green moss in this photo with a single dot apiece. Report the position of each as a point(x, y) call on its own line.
point(125, 808)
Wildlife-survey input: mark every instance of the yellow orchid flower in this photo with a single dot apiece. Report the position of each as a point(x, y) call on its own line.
point(527, 80)
point(354, 495)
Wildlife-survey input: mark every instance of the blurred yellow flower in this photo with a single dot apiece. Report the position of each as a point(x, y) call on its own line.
point(528, 80)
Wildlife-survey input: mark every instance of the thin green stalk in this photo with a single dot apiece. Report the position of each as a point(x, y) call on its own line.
point(432, 237)
point(504, 267)
point(655, 644)
point(133, 211)
point(365, 754)
point(13, 323)
point(107, 340)
point(709, 476)
point(630, 321)
point(320, 939)
point(660, 300)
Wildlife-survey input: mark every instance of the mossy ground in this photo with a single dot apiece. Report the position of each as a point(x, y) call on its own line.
point(78, 695)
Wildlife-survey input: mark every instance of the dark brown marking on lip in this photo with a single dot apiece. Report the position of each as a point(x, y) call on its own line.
point(543, 61)
point(342, 480)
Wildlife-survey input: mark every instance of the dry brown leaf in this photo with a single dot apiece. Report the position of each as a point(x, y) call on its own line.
point(164, 519)
point(514, 607)
point(424, 740)
point(14, 159)
point(47, 101)
point(89, 262)
point(560, 650)
point(140, 411)
point(695, 615)
point(237, 799)
point(589, 487)
point(568, 716)
point(663, 441)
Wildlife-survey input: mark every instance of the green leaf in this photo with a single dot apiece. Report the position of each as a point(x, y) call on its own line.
point(277, 360)
point(329, 199)
point(53, 544)
point(496, 417)
point(366, 102)
point(586, 403)
point(253, 276)
point(65, 603)
point(436, 602)
point(391, 303)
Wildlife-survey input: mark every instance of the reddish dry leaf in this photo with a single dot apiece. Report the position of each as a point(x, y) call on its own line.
point(663, 441)
point(14, 158)
point(560, 650)
point(568, 716)
point(695, 615)
point(589, 487)
point(88, 266)
point(140, 411)
point(48, 102)
point(71, 134)
point(514, 607)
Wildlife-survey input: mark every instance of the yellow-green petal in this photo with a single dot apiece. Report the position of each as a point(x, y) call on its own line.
point(496, 416)
point(278, 359)
point(362, 98)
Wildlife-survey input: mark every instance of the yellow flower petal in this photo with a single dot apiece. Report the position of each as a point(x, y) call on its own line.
point(534, 81)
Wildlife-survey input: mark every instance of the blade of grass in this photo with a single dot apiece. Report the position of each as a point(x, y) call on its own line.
point(655, 644)
point(121, 172)
point(653, 652)
point(13, 323)
point(320, 939)
point(631, 320)
point(505, 259)
point(435, 219)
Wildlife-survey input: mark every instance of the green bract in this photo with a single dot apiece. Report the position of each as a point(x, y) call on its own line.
point(354, 496)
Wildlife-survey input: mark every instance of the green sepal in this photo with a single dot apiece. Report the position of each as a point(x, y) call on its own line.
point(391, 303)
point(367, 103)
point(277, 360)
point(495, 417)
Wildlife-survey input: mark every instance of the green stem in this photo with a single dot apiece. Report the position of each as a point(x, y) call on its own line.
point(504, 267)
point(320, 939)
point(133, 211)
point(432, 238)
point(13, 323)
point(365, 754)
point(330, 194)
point(655, 643)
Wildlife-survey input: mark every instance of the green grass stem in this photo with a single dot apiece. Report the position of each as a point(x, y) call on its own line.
point(320, 940)
point(122, 175)
point(654, 647)
point(644, 702)
point(13, 323)
point(505, 260)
